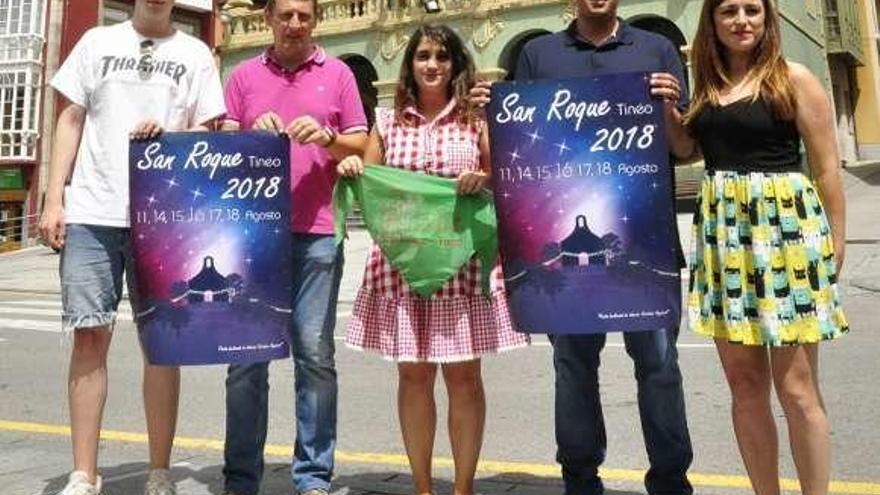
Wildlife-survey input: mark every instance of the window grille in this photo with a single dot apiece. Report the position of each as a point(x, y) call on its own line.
point(19, 101)
point(22, 17)
point(21, 63)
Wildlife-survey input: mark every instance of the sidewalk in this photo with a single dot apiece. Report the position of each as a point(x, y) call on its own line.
point(862, 188)
point(33, 270)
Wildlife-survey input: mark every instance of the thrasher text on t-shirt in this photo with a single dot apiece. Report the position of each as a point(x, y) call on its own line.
point(111, 63)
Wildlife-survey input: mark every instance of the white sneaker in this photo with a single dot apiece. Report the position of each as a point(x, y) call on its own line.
point(78, 484)
point(159, 483)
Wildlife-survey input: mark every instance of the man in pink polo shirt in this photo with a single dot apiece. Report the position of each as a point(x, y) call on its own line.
point(296, 88)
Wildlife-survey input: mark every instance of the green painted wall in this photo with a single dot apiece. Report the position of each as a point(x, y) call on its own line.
point(230, 59)
point(803, 33)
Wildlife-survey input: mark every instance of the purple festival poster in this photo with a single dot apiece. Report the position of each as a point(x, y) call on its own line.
point(210, 235)
point(583, 194)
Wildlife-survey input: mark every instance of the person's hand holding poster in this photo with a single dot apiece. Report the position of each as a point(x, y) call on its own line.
point(210, 216)
point(583, 196)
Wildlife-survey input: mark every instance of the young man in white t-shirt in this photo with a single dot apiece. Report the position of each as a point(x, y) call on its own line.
point(130, 80)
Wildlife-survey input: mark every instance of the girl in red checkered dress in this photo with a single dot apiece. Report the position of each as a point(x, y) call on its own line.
point(431, 130)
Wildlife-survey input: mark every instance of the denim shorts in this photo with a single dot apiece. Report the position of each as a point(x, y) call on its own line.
point(93, 261)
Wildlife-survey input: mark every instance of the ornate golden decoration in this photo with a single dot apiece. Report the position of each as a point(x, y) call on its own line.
point(812, 8)
point(483, 31)
point(231, 4)
point(391, 43)
point(569, 13)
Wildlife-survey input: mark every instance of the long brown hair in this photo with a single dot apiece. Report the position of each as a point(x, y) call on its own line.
point(768, 68)
point(464, 73)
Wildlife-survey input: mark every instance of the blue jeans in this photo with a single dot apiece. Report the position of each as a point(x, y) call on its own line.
point(317, 272)
point(580, 426)
point(93, 260)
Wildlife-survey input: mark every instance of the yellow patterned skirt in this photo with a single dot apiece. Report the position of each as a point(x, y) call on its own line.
point(763, 269)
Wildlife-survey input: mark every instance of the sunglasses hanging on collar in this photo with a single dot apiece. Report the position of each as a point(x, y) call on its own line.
point(146, 62)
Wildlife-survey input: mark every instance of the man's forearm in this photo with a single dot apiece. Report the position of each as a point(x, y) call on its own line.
point(348, 144)
point(68, 132)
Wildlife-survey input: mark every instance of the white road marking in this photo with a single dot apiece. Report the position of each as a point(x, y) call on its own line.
point(545, 343)
point(11, 313)
point(14, 315)
point(55, 326)
point(122, 315)
point(51, 303)
point(621, 345)
point(44, 303)
point(33, 325)
point(17, 315)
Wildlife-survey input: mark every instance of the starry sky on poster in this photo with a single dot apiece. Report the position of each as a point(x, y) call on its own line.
point(592, 147)
point(188, 201)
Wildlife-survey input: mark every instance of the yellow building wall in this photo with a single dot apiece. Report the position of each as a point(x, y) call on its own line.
point(867, 105)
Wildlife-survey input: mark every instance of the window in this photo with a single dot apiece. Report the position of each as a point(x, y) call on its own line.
point(5, 12)
point(19, 92)
point(21, 30)
point(21, 17)
point(21, 53)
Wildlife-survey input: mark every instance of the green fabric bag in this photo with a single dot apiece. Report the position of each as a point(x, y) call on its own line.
point(424, 228)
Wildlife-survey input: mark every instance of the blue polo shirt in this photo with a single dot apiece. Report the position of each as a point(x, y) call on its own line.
point(564, 55)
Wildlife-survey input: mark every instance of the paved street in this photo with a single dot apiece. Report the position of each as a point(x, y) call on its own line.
point(519, 448)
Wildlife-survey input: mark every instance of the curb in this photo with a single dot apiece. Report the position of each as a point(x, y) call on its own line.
point(860, 186)
point(42, 292)
point(863, 170)
point(6, 254)
point(862, 164)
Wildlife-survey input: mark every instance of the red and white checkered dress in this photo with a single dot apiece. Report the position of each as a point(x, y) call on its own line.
point(457, 323)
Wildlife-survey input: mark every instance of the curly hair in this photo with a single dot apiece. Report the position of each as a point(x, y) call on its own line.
point(464, 73)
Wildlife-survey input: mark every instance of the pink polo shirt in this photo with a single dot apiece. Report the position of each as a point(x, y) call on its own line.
point(322, 87)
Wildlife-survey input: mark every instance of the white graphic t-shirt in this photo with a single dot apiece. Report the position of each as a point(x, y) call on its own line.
point(122, 79)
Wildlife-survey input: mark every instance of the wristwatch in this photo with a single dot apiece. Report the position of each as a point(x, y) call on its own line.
point(331, 136)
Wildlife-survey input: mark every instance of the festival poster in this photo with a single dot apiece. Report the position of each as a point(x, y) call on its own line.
point(583, 195)
point(210, 236)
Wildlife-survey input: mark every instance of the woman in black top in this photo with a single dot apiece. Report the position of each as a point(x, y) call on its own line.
point(768, 244)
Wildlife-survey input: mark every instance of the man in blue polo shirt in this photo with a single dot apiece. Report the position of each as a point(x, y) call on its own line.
point(598, 42)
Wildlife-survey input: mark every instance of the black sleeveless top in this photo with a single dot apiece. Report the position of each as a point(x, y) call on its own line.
point(744, 136)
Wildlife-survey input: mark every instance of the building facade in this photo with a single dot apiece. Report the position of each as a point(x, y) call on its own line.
point(22, 55)
point(866, 82)
point(370, 34)
point(35, 38)
point(845, 54)
point(837, 39)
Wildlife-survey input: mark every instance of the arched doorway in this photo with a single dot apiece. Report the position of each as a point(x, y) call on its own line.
point(510, 54)
point(365, 74)
point(660, 25)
